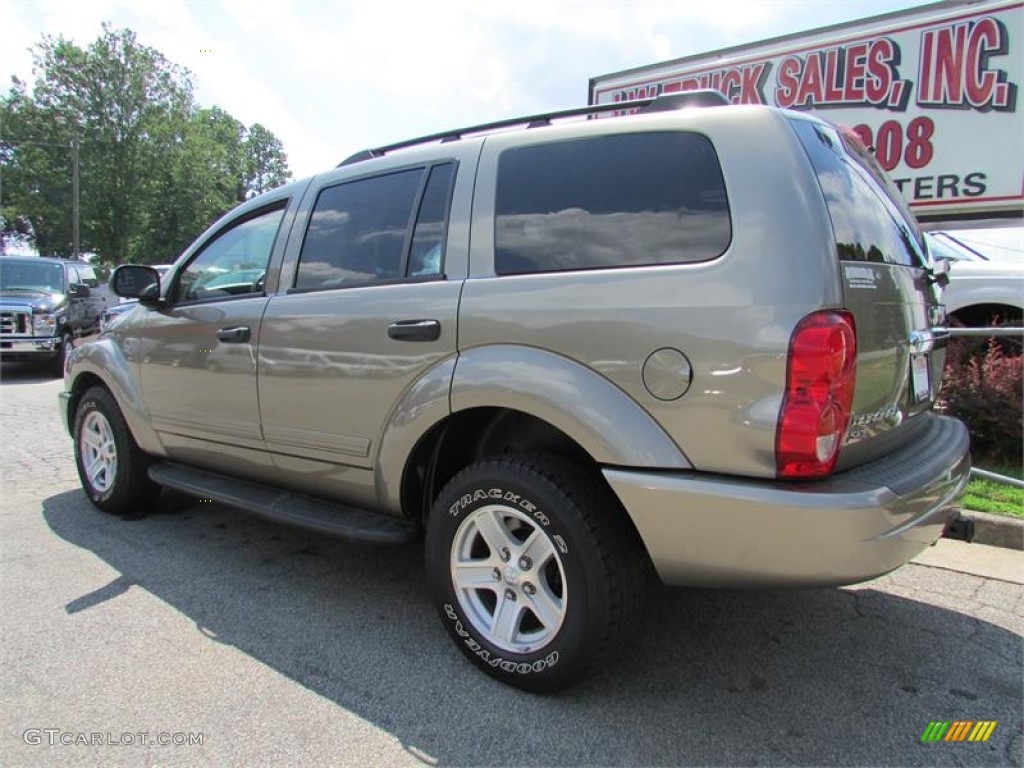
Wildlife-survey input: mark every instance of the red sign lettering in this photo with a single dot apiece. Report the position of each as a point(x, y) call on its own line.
point(955, 70)
point(863, 73)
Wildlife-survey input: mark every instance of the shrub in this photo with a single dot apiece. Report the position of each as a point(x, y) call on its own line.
point(987, 393)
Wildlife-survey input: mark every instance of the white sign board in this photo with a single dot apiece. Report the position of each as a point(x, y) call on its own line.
point(935, 90)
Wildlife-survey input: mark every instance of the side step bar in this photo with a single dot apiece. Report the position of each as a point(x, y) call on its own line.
point(284, 506)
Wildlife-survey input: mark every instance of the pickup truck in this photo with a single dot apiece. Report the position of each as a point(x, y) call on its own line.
point(45, 304)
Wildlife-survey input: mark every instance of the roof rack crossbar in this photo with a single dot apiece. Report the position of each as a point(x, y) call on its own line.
point(703, 98)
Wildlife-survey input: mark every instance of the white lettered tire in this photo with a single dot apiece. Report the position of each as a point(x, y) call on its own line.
point(534, 568)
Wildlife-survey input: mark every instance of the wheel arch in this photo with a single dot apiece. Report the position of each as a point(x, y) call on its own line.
point(469, 436)
point(101, 363)
point(984, 313)
point(510, 399)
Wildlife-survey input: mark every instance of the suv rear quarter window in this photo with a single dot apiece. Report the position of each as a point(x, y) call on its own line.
point(610, 201)
point(868, 224)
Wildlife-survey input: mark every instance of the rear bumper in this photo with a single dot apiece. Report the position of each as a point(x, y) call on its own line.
point(715, 530)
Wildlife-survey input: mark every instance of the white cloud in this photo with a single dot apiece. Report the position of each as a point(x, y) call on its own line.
point(333, 78)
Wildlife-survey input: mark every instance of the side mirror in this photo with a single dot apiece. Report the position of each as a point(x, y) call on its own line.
point(80, 291)
point(939, 271)
point(136, 281)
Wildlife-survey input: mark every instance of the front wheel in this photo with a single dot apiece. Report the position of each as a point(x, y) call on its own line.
point(112, 468)
point(59, 361)
point(534, 568)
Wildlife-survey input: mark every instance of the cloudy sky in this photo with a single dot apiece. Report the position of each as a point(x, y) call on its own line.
point(330, 78)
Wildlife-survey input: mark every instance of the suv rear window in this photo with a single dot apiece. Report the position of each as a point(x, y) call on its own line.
point(610, 201)
point(868, 224)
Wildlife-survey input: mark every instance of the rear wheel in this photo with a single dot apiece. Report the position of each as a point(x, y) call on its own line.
point(534, 568)
point(112, 468)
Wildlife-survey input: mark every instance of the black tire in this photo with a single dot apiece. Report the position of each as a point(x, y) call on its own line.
point(112, 468)
point(56, 364)
point(591, 574)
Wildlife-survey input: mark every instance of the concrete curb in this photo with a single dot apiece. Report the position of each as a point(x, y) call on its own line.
point(996, 530)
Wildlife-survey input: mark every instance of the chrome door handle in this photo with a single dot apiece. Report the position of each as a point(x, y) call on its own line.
point(237, 335)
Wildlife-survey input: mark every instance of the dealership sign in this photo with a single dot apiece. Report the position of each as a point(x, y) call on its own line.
point(935, 90)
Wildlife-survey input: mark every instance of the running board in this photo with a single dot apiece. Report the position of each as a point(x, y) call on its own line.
point(285, 506)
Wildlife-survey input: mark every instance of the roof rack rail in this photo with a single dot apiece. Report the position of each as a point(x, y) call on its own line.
point(699, 98)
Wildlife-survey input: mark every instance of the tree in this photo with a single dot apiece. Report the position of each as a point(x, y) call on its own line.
point(155, 169)
point(113, 97)
point(197, 176)
point(35, 175)
point(266, 165)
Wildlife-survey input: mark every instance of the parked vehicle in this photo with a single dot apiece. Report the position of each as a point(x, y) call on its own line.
point(701, 342)
point(982, 290)
point(45, 304)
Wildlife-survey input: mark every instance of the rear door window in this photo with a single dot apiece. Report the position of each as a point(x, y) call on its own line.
point(610, 201)
point(357, 232)
point(426, 255)
point(867, 222)
point(378, 229)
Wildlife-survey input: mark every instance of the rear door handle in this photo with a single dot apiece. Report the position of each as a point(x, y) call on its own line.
point(415, 330)
point(237, 335)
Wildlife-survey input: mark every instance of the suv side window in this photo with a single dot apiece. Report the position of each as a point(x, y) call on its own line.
point(426, 256)
point(72, 276)
point(611, 201)
point(234, 262)
point(357, 232)
point(868, 225)
point(88, 276)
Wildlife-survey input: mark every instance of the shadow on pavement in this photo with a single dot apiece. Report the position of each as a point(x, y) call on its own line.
point(713, 677)
point(18, 372)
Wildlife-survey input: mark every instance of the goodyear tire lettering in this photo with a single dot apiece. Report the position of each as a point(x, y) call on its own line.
point(522, 668)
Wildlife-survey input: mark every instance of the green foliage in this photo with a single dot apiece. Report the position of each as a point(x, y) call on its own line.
point(995, 498)
point(986, 391)
point(266, 166)
point(155, 168)
point(35, 182)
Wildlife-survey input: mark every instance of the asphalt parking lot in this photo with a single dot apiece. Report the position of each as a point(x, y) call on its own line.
point(278, 647)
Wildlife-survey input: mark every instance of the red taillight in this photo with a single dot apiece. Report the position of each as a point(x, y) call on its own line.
point(819, 394)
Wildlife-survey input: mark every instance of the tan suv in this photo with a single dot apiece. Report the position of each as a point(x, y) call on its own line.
point(701, 342)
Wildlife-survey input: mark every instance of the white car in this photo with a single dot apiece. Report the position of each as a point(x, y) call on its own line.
point(986, 286)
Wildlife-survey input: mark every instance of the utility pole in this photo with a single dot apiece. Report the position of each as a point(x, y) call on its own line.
point(76, 246)
point(74, 198)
